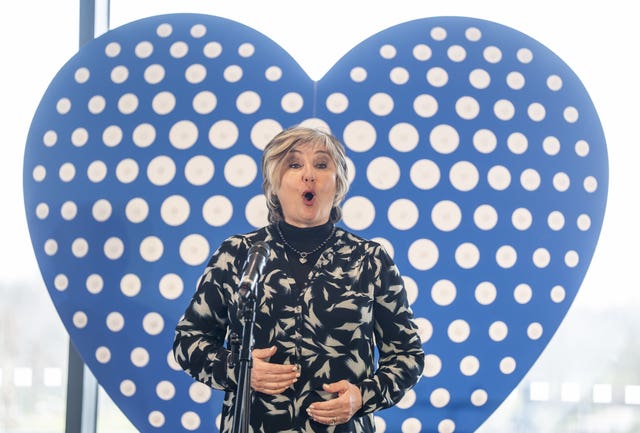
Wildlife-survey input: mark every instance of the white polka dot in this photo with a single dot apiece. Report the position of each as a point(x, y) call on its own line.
point(554, 82)
point(79, 137)
point(551, 145)
point(410, 285)
point(590, 184)
point(101, 210)
point(82, 75)
point(557, 294)
point(130, 285)
point(506, 256)
point(240, 170)
point(154, 74)
point(39, 173)
point(151, 248)
point(425, 174)
point(68, 210)
point(479, 78)
point(571, 259)
point(156, 419)
point(144, 135)
point(127, 388)
point(399, 75)
point(61, 282)
point(97, 171)
point(425, 106)
point(161, 170)
point(248, 102)
point(80, 319)
point(469, 365)
point(50, 247)
point(404, 137)
point(443, 292)
point(467, 107)
point(212, 50)
point(536, 112)
point(139, 357)
point(153, 323)
point(223, 134)
point(42, 211)
point(582, 148)
point(492, 54)
point(403, 214)
point(79, 247)
point(530, 179)
point(458, 331)
point(137, 210)
point(411, 425)
point(194, 249)
point(179, 49)
point(358, 212)
point(541, 257)
point(50, 138)
point(190, 420)
point(174, 210)
point(555, 220)
point(425, 329)
point(522, 293)
point(467, 255)
point(67, 172)
point(199, 170)
point(246, 50)
point(504, 109)
point(199, 392)
point(446, 215)
point(515, 80)
point(381, 104)
point(507, 365)
point(498, 331)
point(143, 49)
point(456, 53)
point(103, 355)
point(383, 173)
point(358, 74)
point(387, 51)
point(432, 365)
point(517, 143)
point(217, 210)
point(359, 136)
point(561, 181)
point(583, 222)
point(256, 211)
point(479, 397)
point(119, 74)
point(423, 254)
point(486, 293)
point(521, 218)
point(195, 74)
point(96, 104)
point(422, 52)
point(337, 103)
point(171, 286)
point(183, 134)
point(534, 331)
point(204, 102)
point(408, 400)
point(115, 321)
point(485, 141)
point(163, 103)
point(292, 102)
point(127, 170)
point(113, 248)
point(63, 106)
point(499, 177)
point(464, 176)
point(437, 76)
point(444, 139)
point(438, 33)
point(128, 103)
point(94, 284)
point(439, 397)
point(571, 114)
point(263, 131)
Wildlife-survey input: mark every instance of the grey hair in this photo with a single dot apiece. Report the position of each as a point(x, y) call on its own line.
point(274, 155)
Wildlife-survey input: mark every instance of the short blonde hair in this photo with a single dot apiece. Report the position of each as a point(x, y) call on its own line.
point(274, 155)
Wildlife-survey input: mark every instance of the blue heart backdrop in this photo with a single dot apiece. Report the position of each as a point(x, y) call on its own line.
point(476, 156)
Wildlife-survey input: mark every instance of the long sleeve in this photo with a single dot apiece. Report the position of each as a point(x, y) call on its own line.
point(200, 334)
point(401, 357)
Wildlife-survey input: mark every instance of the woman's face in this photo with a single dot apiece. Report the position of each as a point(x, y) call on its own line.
point(308, 185)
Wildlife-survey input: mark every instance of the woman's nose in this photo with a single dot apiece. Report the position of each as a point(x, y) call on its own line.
point(308, 175)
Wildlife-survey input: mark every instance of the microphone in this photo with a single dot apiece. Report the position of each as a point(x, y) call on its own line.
point(256, 259)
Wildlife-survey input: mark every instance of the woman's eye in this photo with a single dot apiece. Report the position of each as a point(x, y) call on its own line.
point(322, 165)
point(294, 165)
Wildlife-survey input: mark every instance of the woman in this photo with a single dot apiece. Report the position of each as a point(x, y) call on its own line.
point(326, 299)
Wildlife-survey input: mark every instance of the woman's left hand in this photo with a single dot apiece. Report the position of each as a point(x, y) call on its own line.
point(338, 410)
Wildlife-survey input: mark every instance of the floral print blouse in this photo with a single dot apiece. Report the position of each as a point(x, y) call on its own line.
point(353, 304)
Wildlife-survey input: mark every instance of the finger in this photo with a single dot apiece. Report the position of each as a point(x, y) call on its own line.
point(263, 353)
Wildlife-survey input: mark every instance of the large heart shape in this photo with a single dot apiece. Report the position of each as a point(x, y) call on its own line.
point(477, 156)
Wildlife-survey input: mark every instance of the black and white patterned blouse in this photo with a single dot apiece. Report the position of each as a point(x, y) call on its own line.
point(353, 301)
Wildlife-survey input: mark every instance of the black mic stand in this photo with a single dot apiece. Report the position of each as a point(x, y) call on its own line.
point(247, 313)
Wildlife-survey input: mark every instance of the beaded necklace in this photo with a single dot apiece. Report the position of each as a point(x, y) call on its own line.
point(302, 255)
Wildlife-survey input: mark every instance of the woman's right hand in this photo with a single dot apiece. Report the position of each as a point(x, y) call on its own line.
point(271, 378)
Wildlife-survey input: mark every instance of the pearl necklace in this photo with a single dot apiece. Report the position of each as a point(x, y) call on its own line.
point(302, 255)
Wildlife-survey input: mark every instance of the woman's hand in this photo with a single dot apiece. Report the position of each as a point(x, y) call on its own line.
point(271, 378)
point(338, 410)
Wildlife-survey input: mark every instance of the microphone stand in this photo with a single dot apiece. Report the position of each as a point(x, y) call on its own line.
point(247, 313)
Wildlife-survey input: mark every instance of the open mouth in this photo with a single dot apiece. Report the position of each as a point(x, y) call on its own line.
point(308, 196)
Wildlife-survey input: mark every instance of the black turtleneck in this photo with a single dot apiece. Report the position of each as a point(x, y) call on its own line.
point(304, 239)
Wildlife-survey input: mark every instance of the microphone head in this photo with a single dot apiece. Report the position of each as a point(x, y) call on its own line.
point(261, 248)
